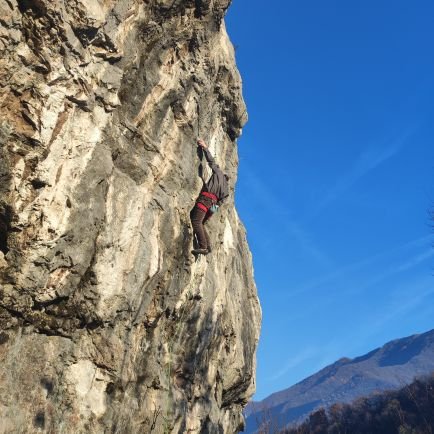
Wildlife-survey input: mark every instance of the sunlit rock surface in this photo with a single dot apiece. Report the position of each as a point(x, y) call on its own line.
point(107, 322)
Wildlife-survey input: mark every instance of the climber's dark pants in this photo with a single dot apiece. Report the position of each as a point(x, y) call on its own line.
point(198, 218)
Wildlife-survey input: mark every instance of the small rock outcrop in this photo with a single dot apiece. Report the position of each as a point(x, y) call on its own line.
point(107, 323)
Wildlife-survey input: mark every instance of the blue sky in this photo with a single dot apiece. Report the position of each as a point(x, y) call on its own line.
point(336, 176)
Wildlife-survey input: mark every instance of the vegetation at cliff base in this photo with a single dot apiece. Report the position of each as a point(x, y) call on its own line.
point(409, 410)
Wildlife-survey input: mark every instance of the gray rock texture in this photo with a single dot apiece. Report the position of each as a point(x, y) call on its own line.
point(107, 322)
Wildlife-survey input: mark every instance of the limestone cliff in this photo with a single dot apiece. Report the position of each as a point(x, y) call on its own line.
point(108, 325)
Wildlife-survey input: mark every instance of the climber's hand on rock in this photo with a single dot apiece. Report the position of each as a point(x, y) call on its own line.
point(201, 143)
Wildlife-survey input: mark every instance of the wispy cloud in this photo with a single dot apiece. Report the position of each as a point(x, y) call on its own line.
point(327, 279)
point(306, 354)
point(306, 242)
point(367, 161)
point(408, 264)
point(268, 199)
point(408, 298)
point(413, 299)
point(413, 262)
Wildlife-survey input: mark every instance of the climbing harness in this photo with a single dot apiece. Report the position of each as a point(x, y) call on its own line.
point(202, 207)
point(205, 208)
point(212, 196)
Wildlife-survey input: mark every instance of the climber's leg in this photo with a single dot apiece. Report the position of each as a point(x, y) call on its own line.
point(208, 242)
point(197, 215)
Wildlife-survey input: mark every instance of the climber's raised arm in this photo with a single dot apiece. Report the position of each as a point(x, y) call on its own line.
point(214, 166)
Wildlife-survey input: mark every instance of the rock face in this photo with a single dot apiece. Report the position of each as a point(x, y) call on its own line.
point(108, 324)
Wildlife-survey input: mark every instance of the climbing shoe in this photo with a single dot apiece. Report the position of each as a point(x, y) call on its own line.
point(200, 251)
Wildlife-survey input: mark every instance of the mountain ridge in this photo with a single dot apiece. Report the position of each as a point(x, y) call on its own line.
point(390, 366)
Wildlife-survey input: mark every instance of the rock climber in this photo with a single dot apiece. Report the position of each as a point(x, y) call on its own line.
point(210, 198)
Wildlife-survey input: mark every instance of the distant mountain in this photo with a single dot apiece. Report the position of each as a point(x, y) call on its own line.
point(390, 367)
point(406, 410)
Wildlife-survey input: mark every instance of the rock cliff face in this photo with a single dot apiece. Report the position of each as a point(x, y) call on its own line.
point(108, 324)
